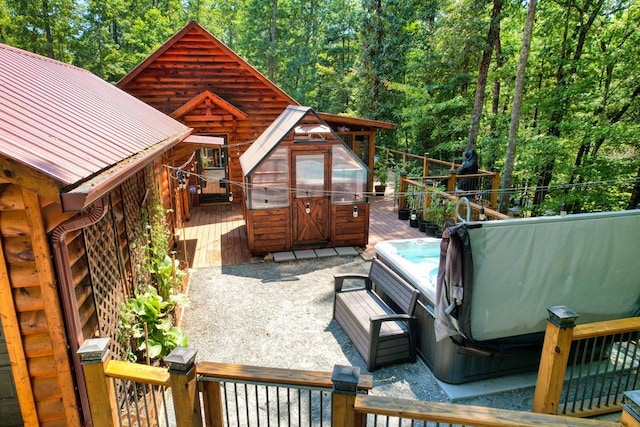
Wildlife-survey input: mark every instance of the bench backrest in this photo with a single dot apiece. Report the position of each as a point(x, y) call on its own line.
point(395, 287)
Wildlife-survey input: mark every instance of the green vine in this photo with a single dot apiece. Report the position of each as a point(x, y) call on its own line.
point(146, 321)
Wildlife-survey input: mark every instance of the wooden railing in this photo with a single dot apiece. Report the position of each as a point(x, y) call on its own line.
point(444, 173)
point(586, 369)
point(481, 207)
point(230, 395)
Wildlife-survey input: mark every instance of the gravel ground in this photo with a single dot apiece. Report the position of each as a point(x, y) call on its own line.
point(280, 315)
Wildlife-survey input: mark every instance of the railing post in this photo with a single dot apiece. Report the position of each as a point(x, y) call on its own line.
point(425, 166)
point(631, 409)
point(94, 356)
point(404, 185)
point(186, 402)
point(495, 186)
point(553, 362)
point(212, 401)
point(345, 385)
point(451, 181)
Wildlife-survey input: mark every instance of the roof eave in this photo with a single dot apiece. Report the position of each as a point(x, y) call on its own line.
point(335, 118)
point(82, 196)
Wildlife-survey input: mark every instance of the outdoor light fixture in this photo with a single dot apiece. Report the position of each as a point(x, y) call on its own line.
point(307, 208)
point(563, 210)
point(230, 196)
point(266, 197)
point(482, 216)
point(199, 190)
point(355, 212)
point(414, 215)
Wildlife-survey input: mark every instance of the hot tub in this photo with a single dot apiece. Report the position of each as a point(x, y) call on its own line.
point(512, 271)
point(417, 260)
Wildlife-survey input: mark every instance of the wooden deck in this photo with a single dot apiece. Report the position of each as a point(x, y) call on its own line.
point(216, 235)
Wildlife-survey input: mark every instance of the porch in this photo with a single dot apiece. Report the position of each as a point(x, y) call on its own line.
point(216, 235)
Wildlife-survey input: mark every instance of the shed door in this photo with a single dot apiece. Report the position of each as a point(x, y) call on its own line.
point(9, 407)
point(311, 206)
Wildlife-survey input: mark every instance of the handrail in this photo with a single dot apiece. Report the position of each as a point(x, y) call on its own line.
point(466, 415)
point(138, 373)
point(296, 377)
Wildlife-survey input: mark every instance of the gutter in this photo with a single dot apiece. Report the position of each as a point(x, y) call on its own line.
point(85, 194)
point(67, 291)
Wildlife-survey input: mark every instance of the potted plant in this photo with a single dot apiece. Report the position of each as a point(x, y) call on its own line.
point(381, 174)
point(439, 214)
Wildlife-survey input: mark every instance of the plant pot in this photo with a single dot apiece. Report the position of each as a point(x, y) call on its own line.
point(413, 223)
point(432, 230)
point(403, 214)
point(422, 226)
point(379, 190)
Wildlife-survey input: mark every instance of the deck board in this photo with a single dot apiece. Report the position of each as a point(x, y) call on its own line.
point(216, 234)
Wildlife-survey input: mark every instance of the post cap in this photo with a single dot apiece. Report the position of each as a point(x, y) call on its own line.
point(562, 316)
point(631, 403)
point(94, 350)
point(181, 359)
point(345, 378)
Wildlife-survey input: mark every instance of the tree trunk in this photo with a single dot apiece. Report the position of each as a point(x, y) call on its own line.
point(271, 60)
point(483, 72)
point(517, 105)
point(634, 201)
point(46, 17)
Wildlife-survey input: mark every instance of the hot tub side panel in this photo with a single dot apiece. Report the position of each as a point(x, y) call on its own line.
point(454, 364)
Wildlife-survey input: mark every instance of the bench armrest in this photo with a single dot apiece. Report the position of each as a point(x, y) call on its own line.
point(391, 317)
point(338, 280)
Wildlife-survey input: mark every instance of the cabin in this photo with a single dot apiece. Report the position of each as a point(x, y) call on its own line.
point(199, 81)
point(303, 188)
point(80, 163)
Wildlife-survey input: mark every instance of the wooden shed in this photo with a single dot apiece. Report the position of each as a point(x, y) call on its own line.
point(303, 187)
point(198, 80)
point(78, 157)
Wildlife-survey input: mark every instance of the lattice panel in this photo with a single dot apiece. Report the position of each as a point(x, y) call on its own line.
point(133, 193)
point(108, 286)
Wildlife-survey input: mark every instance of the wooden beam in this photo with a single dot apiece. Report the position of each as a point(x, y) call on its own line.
point(51, 301)
point(15, 348)
point(24, 176)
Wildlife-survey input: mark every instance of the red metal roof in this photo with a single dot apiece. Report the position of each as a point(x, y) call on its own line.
point(69, 124)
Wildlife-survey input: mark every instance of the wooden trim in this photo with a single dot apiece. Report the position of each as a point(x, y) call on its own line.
point(11, 327)
point(27, 177)
point(52, 309)
point(200, 98)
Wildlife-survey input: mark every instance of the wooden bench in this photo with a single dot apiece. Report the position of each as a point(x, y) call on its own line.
point(380, 334)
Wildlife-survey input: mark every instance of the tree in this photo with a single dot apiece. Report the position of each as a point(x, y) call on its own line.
point(483, 72)
point(517, 104)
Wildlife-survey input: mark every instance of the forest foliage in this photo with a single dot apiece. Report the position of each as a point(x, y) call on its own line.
point(411, 62)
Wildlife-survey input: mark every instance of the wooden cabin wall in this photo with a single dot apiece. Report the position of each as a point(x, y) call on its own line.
point(32, 315)
point(194, 64)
